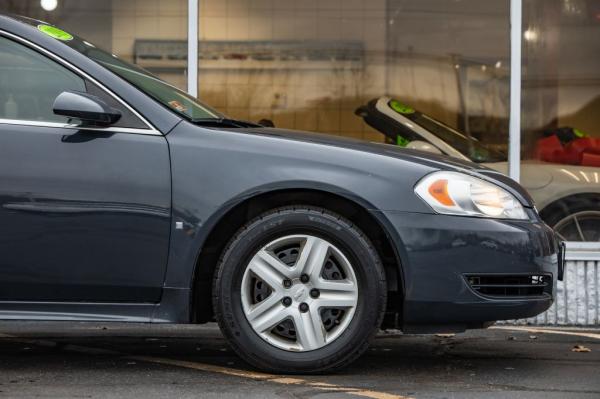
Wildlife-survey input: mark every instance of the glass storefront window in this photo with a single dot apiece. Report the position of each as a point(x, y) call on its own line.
point(441, 60)
point(561, 118)
point(302, 64)
point(310, 64)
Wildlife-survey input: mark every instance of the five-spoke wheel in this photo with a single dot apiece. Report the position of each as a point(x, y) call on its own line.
point(299, 292)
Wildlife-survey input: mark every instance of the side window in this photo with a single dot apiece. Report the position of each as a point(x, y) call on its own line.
point(30, 82)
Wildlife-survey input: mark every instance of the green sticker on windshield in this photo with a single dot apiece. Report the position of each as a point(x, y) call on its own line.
point(56, 33)
point(401, 108)
point(401, 141)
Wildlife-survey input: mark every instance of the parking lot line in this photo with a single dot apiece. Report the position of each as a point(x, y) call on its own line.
point(277, 379)
point(210, 368)
point(549, 331)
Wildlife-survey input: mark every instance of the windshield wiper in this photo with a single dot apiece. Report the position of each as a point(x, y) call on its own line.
point(223, 122)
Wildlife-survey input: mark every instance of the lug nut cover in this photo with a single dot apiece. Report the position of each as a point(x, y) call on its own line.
point(287, 283)
point(304, 278)
point(303, 307)
point(287, 301)
point(314, 293)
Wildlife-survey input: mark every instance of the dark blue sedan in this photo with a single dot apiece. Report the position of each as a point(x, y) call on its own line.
point(124, 199)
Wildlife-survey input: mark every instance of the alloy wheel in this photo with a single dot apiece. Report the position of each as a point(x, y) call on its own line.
point(579, 226)
point(299, 293)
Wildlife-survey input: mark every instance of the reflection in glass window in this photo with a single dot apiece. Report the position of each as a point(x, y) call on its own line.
point(30, 82)
point(118, 26)
point(561, 114)
point(309, 65)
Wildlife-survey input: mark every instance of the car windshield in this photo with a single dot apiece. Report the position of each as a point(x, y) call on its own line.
point(168, 95)
point(468, 146)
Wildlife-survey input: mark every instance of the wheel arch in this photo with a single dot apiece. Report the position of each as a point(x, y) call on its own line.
point(235, 215)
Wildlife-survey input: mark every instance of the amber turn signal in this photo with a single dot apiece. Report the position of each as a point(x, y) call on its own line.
point(439, 190)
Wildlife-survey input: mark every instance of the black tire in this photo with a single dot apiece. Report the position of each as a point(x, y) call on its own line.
point(299, 220)
point(586, 207)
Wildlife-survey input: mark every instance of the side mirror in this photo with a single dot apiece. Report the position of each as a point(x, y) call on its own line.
point(86, 107)
point(423, 146)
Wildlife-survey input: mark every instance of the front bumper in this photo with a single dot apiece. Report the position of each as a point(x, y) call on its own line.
point(439, 252)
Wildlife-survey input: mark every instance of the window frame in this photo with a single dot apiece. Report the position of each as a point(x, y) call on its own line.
point(150, 130)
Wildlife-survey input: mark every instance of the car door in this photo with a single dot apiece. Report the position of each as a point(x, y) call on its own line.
point(84, 212)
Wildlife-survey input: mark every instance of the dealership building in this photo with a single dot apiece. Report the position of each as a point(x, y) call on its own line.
point(516, 79)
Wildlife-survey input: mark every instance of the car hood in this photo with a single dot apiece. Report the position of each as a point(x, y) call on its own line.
point(441, 162)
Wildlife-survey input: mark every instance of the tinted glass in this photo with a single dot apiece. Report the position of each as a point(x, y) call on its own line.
point(170, 96)
point(134, 30)
point(167, 94)
point(30, 82)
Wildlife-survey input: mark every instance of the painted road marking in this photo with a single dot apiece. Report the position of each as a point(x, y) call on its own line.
point(277, 379)
point(272, 378)
point(549, 331)
point(209, 368)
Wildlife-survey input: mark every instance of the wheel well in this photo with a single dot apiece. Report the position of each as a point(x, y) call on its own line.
point(239, 215)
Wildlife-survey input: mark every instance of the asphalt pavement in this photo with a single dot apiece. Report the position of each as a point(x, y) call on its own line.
point(81, 360)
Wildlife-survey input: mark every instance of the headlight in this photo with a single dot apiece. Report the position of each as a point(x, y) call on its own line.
point(455, 193)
